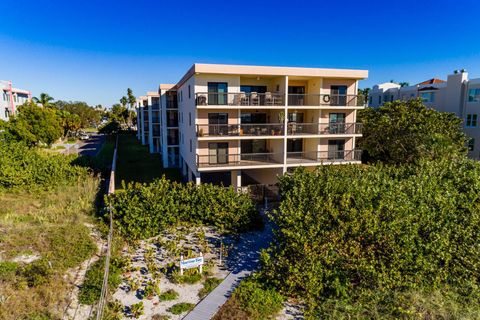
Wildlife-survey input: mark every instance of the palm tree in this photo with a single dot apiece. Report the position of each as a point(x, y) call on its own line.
point(131, 98)
point(44, 99)
point(123, 101)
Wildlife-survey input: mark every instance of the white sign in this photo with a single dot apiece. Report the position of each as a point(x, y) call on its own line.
point(191, 263)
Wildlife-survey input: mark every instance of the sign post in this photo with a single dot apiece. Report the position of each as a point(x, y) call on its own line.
point(191, 263)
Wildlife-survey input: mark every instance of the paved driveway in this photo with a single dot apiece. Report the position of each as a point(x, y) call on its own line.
point(91, 146)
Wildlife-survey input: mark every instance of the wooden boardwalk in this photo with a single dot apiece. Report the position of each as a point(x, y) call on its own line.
point(244, 260)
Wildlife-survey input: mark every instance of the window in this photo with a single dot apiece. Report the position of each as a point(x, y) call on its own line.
point(370, 100)
point(391, 98)
point(189, 118)
point(379, 100)
point(428, 96)
point(189, 92)
point(471, 121)
point(217, 93)
point(471, 144)
point(181, 95)
point(190, 145)
point(474, 95)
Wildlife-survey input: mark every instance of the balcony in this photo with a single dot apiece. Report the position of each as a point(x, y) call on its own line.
point(235, 130)
point(240, 99)
point(324, 128)
point(333, 100)
point(323, 156)
point(245, 159)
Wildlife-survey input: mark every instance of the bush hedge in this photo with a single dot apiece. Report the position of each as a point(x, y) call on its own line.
point(350, 229)
point(22, 167)
point(144, 210)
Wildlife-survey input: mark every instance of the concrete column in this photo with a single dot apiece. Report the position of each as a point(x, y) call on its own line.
point(150, 125)
point(285, 125)
point(142, 124)
point(236, 178)
point(197, 179)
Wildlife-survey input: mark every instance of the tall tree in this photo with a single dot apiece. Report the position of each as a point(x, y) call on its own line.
point(123, 101)
point(407, 131)
point(131, 98)
point(35, 125)
point(44, 99)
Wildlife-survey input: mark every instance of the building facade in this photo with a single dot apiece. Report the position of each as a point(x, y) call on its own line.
point(157, 124)
point(243, 125)
point(458, 94)
point(11, 98)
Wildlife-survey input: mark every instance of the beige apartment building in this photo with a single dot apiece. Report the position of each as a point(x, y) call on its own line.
point(242, 125)
point(457, 94)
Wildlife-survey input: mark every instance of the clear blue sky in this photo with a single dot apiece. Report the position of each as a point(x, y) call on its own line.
point(93, 50)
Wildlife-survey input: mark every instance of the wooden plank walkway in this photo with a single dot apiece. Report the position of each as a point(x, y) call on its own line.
point(243, 261)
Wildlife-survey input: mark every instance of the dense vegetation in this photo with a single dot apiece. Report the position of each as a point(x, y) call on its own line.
point(407, 131)
point(380, 241)
point(25, 168)
point(144, 210)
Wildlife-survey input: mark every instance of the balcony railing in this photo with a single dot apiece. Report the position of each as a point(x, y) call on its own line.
point(324, 128)
point(319, 156)
point(277, 99)
point(250, 129)
point(244, 159)
point(340, 100)
point(240, 99)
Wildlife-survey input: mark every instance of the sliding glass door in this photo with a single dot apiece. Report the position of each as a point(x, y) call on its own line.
point(218, 153)
point(217, 93)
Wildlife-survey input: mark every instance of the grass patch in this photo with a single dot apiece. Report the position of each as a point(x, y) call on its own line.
point(181, 307)
point(188, 277)
point(136, 164)
point(51, 225)
point(168, 295)
point(208, 286)
point(92, 286)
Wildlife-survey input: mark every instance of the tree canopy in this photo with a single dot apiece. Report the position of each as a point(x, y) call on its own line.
point(35, 125)
point(44, 99)
point(88, 116)
point(406, 131)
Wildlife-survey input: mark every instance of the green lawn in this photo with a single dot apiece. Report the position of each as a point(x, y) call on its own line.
point(136, 164)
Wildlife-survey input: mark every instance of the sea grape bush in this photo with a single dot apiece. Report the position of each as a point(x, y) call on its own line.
point(344, 230)
point(27, 168)
point(144, 210)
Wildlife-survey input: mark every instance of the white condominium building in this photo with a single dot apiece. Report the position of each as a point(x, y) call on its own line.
point(241, 125)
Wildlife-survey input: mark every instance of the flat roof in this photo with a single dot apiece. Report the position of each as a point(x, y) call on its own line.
point(199, 68)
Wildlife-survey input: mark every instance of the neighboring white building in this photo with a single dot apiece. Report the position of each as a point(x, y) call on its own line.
point(157, 123)
point(242, 125)
point(457, 94)
point(11, 98)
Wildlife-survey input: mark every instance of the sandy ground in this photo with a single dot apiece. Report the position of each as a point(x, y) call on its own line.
point(162, 252)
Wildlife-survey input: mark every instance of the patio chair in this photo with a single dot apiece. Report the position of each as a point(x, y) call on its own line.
point(202, 100)
point(243, 98)
point(254, 99)
point(268, 99)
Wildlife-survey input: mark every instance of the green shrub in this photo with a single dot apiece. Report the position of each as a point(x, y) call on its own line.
point(25, 168)
point(8, 270)
point(168, 295)
point(37, 273)
point(144, 210)
point(208, 286)
point(190, 276)
point(257, 300)
point(137, 309)
point(92, 286)
point(344, 230)
point(180, 308)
